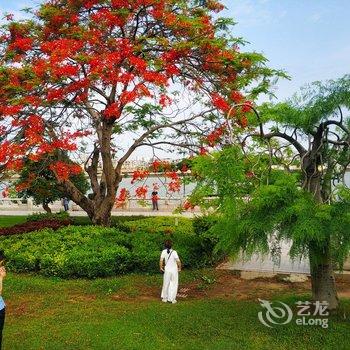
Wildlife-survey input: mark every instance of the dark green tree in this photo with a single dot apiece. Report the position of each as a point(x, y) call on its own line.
point(38, 182)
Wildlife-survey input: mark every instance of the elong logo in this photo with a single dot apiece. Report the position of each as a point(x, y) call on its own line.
point(278, 313)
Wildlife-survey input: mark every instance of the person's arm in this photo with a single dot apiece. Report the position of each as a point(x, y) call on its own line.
point(161, 264)
point(178, 262)
point(2, 276)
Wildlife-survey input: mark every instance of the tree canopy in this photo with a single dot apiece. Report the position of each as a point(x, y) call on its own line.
point(105, 77)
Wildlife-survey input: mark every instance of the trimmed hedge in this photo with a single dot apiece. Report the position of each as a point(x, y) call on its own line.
point(92, 251)
point(62, 215)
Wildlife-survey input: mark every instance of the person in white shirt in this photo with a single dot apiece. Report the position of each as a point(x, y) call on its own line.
point(170, 264)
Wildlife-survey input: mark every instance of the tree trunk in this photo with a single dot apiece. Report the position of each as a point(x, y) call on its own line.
point(322, 275)
point(47, 208)
point(321, 268)
point(98, 204)
point(102, 214)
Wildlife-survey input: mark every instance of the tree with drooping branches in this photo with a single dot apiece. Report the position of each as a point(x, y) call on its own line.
point(287, 183)
point(98, 79)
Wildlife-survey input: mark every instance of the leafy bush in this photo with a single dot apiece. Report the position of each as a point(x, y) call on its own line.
point(202, 224)
point(62, 215)
point(115, 220)
point(92, 251)
point(203, 227)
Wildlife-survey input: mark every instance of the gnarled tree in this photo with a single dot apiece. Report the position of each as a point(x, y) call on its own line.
point(320, 134)
point(305, 201)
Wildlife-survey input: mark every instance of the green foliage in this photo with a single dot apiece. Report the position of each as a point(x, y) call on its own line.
point(62, 215)
point(90, 251)
point(203, 227)
point(115, 220)
point(43, 187)
point(282, 211)
point(225, 174)
point(253, 213)
point(217, 175)
point(315, 103)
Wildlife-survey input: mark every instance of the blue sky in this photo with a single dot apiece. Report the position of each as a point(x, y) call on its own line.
point(307, 38)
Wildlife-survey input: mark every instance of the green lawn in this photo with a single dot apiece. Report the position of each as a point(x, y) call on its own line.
point(6, 221)
point(49, 313)
point(125, 313)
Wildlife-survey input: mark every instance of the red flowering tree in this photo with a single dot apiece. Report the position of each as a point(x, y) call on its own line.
point(83, 76)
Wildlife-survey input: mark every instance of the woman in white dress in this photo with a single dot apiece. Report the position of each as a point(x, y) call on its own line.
point(170, 264)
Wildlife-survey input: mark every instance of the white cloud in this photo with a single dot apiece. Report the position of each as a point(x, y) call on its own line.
point(316, 17)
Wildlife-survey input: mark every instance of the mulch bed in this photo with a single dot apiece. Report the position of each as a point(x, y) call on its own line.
point(31, 226)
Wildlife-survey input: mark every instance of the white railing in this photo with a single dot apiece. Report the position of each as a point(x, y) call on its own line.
point(131, 204)
point(16, 203)
point(164, 203)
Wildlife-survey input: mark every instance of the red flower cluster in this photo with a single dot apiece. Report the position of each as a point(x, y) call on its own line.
point(156, 78)
point(188, 205)
point(175, 184)
point(61, 49)
point(141, 192)
point(243, 122)
point(67, 70)
point(247, 107)
point(203, 151)
point(138, 63)
point(237, 97)
point(128, 96)
point(22, 44)
point(64, 171)
point(164, 100)
point(220, 103)
point(108, 18)
point(113, 111)
point(156, 165)
point(122, 197)
point(33, 133)
point(55, 95)
point(215, 136)
point(139, 175)
point(10, 110)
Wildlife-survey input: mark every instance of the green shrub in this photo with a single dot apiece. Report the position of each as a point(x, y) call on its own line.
point(93, 251)
point(203, 228)
point(115, 220)
point(203, 224)
point(62, 215)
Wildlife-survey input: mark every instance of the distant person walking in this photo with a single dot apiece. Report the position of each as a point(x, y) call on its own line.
point(170, 264)
point(2, 303)
point(155, 199)
point(65, 203)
